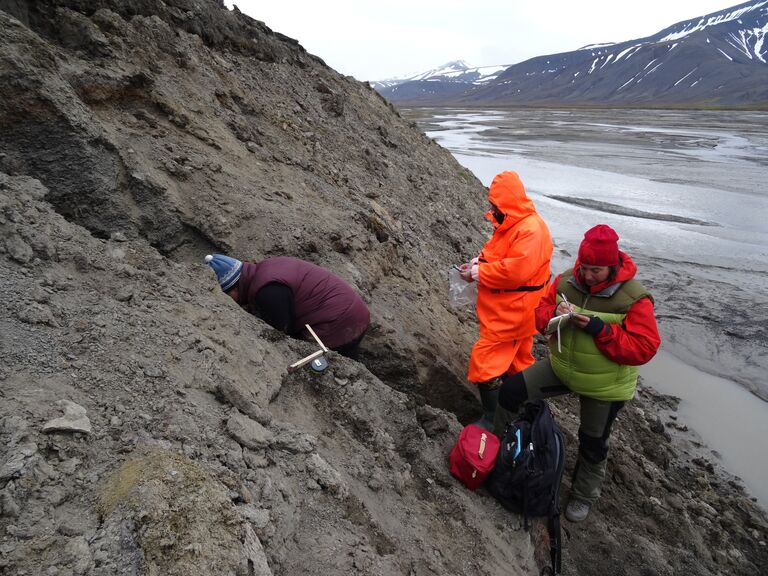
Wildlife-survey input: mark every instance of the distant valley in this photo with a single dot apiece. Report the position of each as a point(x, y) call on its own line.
point(716, 60)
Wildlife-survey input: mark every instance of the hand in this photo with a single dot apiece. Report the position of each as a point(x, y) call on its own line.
point(465, 271)
point(564, 308)
point(580, 320)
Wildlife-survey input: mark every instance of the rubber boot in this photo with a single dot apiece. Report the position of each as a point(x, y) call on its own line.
point(502, 419)
point(489, 398)
point(585, 488)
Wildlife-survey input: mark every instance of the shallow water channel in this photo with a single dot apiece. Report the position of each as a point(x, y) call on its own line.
point(707, 402)
point(679, 186)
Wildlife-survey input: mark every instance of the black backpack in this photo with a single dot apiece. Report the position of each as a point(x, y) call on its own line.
point(529, 468)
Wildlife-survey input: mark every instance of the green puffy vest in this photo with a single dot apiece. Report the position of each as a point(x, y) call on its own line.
point(579, 364)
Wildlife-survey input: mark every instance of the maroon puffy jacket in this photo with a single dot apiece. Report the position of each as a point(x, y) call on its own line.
point(327, 303)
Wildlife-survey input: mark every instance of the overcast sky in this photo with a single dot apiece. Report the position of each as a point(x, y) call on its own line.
point(392, 38)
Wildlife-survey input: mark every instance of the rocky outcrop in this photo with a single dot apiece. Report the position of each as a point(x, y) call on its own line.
point(346, 474)
point(237, 140)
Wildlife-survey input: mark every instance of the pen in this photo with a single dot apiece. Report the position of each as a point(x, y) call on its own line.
point(566, 301)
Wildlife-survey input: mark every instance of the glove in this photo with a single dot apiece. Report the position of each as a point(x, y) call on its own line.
point(594, 326)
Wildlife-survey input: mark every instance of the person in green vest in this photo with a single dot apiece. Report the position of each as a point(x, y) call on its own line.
point(609, 329)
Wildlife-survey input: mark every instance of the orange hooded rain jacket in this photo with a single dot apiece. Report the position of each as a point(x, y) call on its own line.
point(513, 266)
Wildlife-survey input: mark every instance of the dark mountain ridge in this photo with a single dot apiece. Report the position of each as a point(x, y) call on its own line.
point(715, 60)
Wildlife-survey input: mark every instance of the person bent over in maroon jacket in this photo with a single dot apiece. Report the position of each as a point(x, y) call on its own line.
point(288, 293)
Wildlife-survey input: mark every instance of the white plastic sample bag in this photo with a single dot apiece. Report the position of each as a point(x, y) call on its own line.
point(460, 292)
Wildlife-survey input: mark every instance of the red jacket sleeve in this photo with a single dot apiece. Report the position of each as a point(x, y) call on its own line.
point(634, 341)
point(546, 308)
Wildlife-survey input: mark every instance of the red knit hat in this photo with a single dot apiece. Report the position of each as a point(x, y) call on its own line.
point(600, 247)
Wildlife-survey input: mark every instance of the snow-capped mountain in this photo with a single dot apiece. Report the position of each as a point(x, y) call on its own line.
point(719, 59)
point(457, 71)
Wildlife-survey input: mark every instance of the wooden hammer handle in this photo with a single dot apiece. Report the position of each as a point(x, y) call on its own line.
point(298, 364)
point(308, 327)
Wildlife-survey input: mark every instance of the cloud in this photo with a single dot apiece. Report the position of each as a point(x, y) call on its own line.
point(373, 41)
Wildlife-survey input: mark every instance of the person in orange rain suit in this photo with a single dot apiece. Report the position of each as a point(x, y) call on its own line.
point(512, 272)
